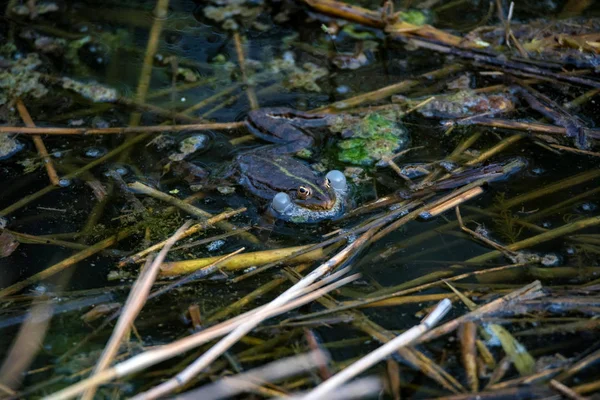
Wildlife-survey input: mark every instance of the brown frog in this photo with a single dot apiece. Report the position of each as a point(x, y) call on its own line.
point(295, 191)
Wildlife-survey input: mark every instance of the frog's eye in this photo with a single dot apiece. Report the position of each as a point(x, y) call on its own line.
point(304, 192)
point(327, 183)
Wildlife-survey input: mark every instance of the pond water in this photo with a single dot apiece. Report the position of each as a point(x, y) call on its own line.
point(288, 61)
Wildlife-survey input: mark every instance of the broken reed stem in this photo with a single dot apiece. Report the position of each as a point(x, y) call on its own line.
point(387, 91)
point(188, 208)
point(498, 147)
point(133, 305)
point(121, 130)
point(189, 232)
point(28, 199)
point(380, 353)
point(237, 39)
point(39, 143)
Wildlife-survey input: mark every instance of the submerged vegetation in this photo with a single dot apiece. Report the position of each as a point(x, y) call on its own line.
point(307, 198)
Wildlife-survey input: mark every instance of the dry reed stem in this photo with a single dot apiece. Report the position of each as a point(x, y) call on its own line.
point(354, 231)
point(26, 345)
point(75, 258)
point(69, 261)
point(454, 202)
point(579, 365)
point(533, 378)
point(133, 305)
point(242, 261)
point(121, 130)
point(380, 353)
point(458, 193)
point(574, 150)
point(563, 184)
point(217, 350)
point(258, 292)
point(39, 143)
point(189, 232)
point(480, 237)
point(162, 353)
point(237, 39)
point(565, 390)
point(160, 16)
point(360, 322)
point(467, 334)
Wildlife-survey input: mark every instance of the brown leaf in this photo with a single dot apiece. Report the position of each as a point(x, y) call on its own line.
point(8, 244)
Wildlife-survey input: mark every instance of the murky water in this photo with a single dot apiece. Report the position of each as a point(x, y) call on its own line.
point(197, 62)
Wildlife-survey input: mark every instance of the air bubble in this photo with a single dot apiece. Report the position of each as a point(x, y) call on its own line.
point(281, 202)
point(337, 180)
point(64, 182)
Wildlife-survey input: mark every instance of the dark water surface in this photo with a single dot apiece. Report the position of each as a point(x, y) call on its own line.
point(118, 33)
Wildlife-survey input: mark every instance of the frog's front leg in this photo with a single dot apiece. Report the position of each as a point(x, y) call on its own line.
point(285, 127)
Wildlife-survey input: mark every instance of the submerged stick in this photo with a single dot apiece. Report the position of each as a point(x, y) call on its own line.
point(39, 144)
point(160, 16)
point(121, 130)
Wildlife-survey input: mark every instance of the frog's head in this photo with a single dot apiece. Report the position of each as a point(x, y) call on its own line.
point(316, 200)
point(315, 195)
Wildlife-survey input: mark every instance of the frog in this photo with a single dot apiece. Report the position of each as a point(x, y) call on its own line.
point(296, 193)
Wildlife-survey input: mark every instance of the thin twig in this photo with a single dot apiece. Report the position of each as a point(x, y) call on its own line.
point(39, 144)
point(121, 130)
